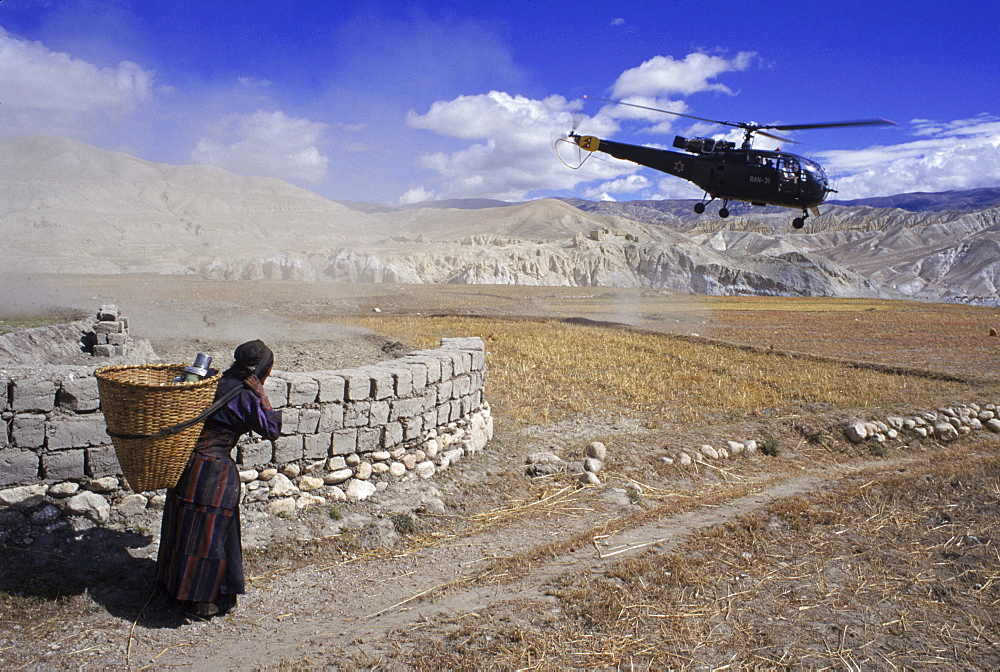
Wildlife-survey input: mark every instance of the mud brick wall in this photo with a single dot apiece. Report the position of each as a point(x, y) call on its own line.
point(52, 429)
point(374, 408)
point(375, 424)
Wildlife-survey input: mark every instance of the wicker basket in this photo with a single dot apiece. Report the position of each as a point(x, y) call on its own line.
point(142, 399)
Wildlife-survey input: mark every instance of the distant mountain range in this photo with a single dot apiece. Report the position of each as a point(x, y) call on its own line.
point(920, 201)
point(68, 207)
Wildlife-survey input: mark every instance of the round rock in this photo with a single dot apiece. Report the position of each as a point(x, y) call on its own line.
point(133, 505)
point(431, 448)
point(708, 451)
point(542, 457)
point(856, 432)
point(281, 486)
point(596, 450)
point(105, 484)
point(65, 489)
point(249, 475)
point(338, 476)
point(90, 505)
point(945, 431)
point(310, 483)
point(359, 490)
point(363, 471)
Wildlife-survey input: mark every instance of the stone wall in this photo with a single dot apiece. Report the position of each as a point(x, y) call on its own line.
point(346, 433)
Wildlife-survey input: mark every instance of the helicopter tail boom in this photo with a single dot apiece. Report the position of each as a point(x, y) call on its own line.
point(663, 160)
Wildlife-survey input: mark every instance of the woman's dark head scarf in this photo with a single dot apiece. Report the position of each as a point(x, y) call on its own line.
point(252, 357)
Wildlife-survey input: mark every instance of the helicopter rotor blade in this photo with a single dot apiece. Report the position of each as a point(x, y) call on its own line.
point(833, 124)
point(751, 128)
point(776, 137)
point(656, 109)
point(755, 128)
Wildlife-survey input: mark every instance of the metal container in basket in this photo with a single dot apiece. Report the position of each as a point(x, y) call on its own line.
point(152, 420)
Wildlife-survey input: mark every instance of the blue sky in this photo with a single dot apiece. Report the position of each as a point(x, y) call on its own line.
point(397, 102)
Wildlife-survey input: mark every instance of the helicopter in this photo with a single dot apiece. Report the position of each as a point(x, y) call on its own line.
point(728, 173)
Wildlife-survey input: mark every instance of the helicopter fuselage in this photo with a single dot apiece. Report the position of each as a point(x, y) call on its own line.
point(759, 177)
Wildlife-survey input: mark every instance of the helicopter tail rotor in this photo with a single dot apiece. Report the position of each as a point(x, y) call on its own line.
point(577, 119)
point(581, 145)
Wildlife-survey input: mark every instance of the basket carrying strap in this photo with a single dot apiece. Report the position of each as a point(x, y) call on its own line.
point(262, 368)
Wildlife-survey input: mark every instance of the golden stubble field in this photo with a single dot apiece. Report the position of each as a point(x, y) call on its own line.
point(819, 554)
point(893, 565)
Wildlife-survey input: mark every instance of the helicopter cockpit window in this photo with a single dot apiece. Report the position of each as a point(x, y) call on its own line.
point(761, 160)
point(811, 167)
point(788, 169)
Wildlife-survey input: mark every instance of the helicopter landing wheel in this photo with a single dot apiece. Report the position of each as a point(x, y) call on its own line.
point(723, 212)
point(699, 208)
point(798, 222)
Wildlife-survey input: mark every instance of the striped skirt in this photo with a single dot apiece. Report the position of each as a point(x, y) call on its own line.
point(201, 555)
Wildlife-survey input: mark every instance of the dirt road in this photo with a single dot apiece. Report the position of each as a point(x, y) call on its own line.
point(360, 611)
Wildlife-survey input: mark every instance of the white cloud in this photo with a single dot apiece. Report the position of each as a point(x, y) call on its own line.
point(511, 154)
point(267, 144)
point(53, 93)
point(628, 185)
point(487, 115)
point(961, 154)
point(417, 195)
point(663, 76)
point(515, 154)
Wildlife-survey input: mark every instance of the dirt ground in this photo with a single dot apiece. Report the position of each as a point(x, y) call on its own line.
point(817, 555)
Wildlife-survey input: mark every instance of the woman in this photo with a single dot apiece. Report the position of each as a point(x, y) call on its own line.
point(200, 559)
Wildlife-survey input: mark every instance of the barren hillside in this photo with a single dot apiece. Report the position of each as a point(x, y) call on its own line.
point(70, 208)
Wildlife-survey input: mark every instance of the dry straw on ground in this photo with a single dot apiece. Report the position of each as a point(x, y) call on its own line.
point(890, 571)
point(543, 371)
